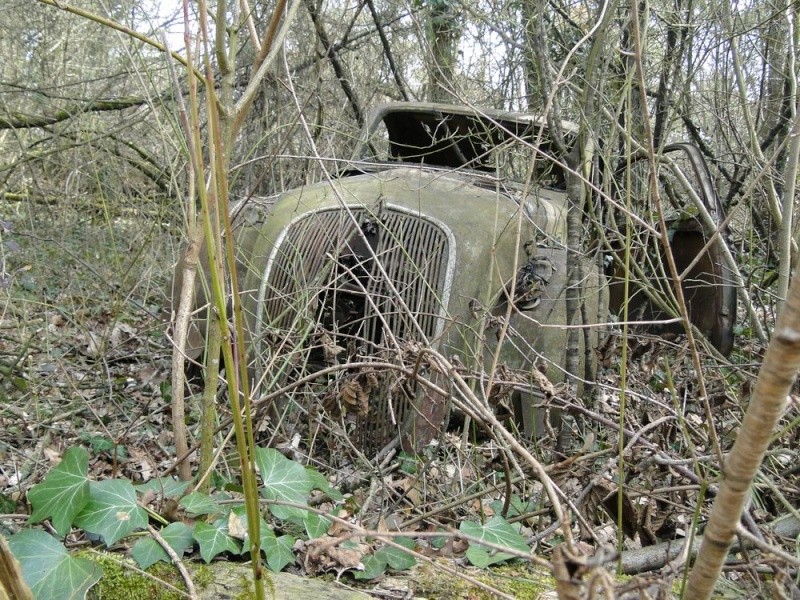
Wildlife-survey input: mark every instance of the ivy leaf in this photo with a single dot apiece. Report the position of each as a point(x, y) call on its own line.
point(498, 531)
point(7, 504)
point(283, 479)
point(178, 536)
point(64, 492)
point(213, 540)
point(100, 444)
point(319, 482)
point(388, 556)
point(316, 525)
point(112, 511)
point(439, 542)
point(148, 551)
point(396, 558)
point(277, 550)
point(163, 486)
point(515, 508)
point(374, 566)
point(49, 570)
point(198, 503)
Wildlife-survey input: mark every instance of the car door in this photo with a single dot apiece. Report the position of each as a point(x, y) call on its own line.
point(696, 232)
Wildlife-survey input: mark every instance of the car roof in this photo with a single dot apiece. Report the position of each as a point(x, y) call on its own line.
point(445, 135)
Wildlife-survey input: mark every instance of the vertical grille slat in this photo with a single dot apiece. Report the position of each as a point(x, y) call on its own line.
point(396, 263)
point(298, 262)
point(412, 251)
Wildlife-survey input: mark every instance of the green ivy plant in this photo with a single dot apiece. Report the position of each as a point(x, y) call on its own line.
point(110, 511)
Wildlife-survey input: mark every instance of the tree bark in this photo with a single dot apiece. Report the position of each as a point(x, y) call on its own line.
point(778, 373)
point(12, 585)
point(444, 34)
point(336, 64)
point(16, 120)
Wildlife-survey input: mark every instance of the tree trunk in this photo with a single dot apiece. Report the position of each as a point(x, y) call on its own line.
point(444, 34)
point(778, 373)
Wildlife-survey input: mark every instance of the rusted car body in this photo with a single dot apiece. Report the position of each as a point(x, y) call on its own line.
point(444, 216)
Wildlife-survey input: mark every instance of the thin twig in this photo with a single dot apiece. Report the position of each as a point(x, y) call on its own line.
point(176, 560)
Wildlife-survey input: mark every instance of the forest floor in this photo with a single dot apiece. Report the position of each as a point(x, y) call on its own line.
point(84, 361)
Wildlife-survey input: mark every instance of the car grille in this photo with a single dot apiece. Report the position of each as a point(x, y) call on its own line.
point(371, 282)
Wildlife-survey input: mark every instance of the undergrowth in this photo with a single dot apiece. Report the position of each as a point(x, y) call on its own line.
point(84, 394)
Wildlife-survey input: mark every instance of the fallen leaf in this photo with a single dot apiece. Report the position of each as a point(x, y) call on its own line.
point(331, 554)
point(235, 526)
point(330, 349)
point(121, 333)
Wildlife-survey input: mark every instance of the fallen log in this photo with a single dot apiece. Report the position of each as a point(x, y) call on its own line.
point(654, 557)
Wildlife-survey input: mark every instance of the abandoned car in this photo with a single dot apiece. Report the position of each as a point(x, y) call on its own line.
point(447, 230)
